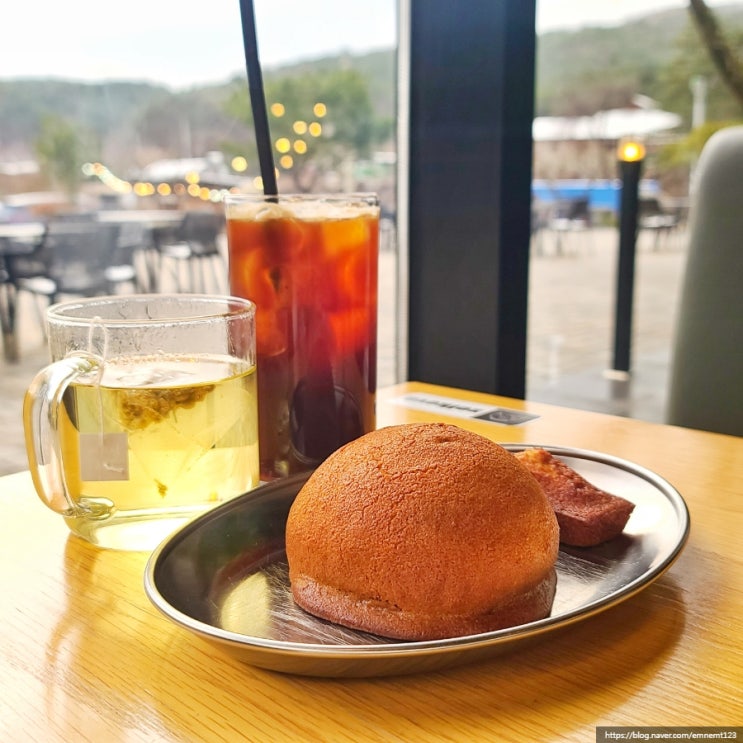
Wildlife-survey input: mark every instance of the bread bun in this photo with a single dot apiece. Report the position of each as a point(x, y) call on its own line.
point(422, 531)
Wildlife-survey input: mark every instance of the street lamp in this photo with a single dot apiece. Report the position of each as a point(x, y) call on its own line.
point(630, 154)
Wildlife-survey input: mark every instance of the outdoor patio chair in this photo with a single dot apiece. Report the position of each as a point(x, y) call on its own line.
point(570, 215)
point(656, 219)
point(194, 243)
point(6, 310)
point(133, 243)
point(76, 258)
point(706, 382)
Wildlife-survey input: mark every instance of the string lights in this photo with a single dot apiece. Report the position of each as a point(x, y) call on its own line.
point(189, 187)
point(191, 183)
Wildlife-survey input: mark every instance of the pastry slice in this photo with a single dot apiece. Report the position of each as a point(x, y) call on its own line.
point(587, 515)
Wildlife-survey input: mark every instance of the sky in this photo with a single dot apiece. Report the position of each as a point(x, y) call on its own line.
point(181, 43)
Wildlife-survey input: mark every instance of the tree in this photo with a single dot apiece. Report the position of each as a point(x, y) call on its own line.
point(690, 60)
point(717, 61)
point(186, 124)
point(727, 63)
point(61, 152)
point(318, 120)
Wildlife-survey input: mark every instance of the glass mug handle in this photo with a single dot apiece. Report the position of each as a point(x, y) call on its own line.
point(41, 405)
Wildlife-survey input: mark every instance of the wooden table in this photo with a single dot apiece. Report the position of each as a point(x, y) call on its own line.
point(21, 230)
point(152, 218)
point(84, 656)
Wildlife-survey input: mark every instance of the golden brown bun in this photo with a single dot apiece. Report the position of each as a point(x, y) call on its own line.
point(422, 531)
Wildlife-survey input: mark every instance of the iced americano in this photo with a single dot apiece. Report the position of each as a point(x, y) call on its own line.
point(310, 266)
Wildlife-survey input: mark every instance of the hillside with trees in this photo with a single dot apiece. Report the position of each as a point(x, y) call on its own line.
point(581, 72)
point(129, 124)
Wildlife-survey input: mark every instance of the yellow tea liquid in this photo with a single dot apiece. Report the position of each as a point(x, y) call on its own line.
point(155, 441)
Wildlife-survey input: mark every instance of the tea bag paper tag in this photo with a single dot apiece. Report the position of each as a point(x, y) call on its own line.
point(104, 456)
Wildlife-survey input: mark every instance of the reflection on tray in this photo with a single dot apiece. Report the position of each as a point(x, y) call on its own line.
point(260, 605)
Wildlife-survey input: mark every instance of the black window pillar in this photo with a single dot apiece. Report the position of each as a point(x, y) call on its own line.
point(466, 105)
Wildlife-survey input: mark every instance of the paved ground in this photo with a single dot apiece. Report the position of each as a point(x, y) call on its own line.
point(571, 310)
point(571, 323)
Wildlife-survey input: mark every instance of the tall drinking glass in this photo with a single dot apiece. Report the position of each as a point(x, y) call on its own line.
point(147, 414)
point(309, 262)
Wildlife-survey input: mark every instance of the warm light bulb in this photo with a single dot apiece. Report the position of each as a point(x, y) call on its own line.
point(631, 151)
point(239, 164)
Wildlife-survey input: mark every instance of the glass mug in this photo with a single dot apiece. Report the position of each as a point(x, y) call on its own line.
point(309, 262)
point(147, 414)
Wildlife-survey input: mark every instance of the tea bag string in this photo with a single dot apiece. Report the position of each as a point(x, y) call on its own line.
point(97, 324)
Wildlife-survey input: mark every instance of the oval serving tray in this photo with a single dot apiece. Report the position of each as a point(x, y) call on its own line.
point(224, 578)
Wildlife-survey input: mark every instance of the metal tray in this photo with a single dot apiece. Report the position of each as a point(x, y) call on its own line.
point(223, 577)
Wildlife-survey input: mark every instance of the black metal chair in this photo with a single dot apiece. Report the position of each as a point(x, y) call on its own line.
point(7, 312)
point(195, 243)
point(570, 215)
point(133, 243)
point(656, 219)
point(75, 257)
point(79, 258)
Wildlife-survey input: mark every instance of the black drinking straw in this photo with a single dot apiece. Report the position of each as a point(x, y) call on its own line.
point(258, 99)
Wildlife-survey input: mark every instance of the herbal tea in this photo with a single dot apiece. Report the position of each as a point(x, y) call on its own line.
point(154, 438)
